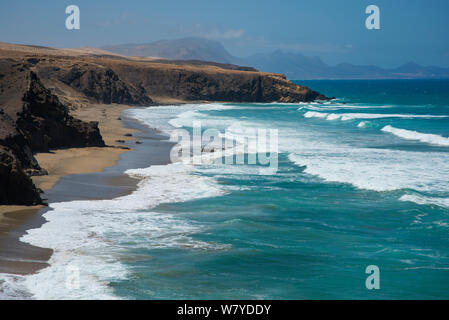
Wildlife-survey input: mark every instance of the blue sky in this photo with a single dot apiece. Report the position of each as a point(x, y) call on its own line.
point(411, 30)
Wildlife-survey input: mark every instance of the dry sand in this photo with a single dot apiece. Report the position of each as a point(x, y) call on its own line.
point(20, 258)
point(63, 162)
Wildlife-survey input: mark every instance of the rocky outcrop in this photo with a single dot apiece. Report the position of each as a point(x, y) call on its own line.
point(78, 83)
point(15, 141)
point(213, 84)
point(32, 119)
point(102, 85)
point(81, 81)
point(46, 123)
point(16, 187)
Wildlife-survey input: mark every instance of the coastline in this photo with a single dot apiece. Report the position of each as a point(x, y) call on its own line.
point(21, 258)
point(18, 257)
point(64, 162)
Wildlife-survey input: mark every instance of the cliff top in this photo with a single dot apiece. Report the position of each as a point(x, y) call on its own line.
point(8, 50)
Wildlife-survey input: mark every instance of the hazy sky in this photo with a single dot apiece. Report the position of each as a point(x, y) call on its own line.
point(411, 30)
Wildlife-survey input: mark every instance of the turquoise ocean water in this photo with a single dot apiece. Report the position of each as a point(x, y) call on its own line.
point(362, 180)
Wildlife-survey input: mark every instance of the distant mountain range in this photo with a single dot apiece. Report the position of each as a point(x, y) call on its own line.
point(294, 65)
point(181, 49)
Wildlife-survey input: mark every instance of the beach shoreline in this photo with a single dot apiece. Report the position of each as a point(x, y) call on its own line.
point(64, 162)
point(21, 258)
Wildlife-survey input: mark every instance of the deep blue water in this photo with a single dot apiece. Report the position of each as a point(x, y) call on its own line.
point(361, 180)
point(302, 234)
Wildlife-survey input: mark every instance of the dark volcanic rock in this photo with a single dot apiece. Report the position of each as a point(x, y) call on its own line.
point(33, 120)
point(46, 123)
point(214, 84)
point(103, 85)
point(15, 186)
point(12, 138)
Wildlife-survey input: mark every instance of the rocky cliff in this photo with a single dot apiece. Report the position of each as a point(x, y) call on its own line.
point(16, 186)
point(39, 86)
point(210, 83)
point(32, 119)
point(143, 83)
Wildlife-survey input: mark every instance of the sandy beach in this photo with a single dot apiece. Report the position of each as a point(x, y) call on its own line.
point(63, 162)
point(20, 258)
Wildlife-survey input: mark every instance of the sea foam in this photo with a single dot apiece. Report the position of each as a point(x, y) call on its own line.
point(355, 116)
point(375, 169)
point(442, 202)
point(96, 236)
point(433, 139)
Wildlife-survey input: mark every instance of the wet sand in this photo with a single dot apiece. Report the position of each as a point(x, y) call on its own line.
point(63, 162)
point(17, 257)
point(80, 174)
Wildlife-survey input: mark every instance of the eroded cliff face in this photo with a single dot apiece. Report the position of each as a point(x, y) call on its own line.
point(211, 83)
point(46, 123)
point(32, 119)
point(80, 81)
point(16, 186)
point(97, 83)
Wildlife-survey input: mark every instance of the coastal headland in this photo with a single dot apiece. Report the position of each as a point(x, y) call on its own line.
point(60, 114)
point(43, 88)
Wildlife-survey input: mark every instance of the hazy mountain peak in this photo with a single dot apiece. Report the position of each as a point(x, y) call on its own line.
point(294, 65)
point(410, 64)
point(178, 49)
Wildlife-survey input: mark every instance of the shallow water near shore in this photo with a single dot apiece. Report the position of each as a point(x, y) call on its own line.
point(362, 180)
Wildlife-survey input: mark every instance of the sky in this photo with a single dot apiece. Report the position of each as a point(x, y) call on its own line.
point(410, 30)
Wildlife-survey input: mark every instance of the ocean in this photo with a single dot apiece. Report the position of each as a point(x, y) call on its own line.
point(361, 180)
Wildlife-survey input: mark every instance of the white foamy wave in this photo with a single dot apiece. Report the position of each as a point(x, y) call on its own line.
point(187, 119)
point(441, 202)
point(313, 114)
point(433, 139)
point(362, 124)
point(168, 118)
point(355, 116)
point(327, 107)
point(183, 118)
point(292, 104)
point(95, 236)
point(376, 169)
point(12, 287)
